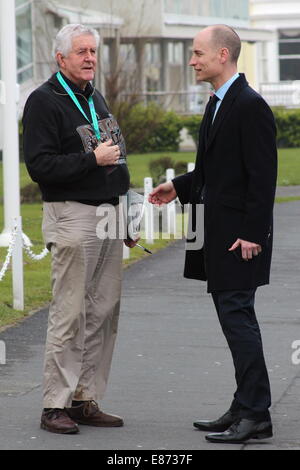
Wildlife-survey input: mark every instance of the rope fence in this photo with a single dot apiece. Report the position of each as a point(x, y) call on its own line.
point(27, 250)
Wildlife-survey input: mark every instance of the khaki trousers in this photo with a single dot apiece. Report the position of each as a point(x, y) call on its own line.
point(84, 312)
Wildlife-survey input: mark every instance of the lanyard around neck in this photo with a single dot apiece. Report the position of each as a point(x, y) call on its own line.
point(72, 95)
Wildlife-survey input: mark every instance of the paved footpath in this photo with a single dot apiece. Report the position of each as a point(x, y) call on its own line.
point(171, 363)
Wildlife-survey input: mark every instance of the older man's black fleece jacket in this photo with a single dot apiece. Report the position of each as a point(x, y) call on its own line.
point(58, 146)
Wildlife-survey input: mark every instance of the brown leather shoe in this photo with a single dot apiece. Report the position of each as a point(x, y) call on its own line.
point(88, 413)
point(57, 421)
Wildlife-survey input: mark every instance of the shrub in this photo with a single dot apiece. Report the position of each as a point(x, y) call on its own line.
point(180, 168)
point(192, 123)
point(148, 128)
point(30, 194)
point(288, 124)
point(159, 166)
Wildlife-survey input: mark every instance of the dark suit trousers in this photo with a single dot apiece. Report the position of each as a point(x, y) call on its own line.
point(239, 324)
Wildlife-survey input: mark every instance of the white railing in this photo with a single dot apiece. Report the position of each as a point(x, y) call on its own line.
point(183, 102)
point(285, 94)
point(152, 222)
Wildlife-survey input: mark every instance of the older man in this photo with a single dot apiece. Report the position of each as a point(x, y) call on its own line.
point(235, 178)
point(75, 151)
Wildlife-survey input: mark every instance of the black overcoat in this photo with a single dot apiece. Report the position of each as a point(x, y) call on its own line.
point(235, 175)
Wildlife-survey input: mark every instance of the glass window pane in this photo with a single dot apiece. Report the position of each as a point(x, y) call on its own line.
point(224, 8)
point(290, 69)
point(218, 8)
point(24, 40)
point(25, 75)
point(289, 48)
point(20, 2)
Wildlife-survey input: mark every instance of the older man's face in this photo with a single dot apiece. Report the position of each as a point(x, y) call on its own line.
point(80, 64)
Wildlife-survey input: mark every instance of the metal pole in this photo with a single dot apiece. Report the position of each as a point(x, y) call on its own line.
point(11, 178)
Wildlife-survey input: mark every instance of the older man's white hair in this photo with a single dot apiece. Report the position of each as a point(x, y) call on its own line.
point(64, 39)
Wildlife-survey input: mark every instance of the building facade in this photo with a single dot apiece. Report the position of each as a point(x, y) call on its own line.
point(278, 60)
point(145, 44)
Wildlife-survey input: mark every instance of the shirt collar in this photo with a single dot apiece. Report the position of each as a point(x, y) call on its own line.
point(221, 92)
point(89, 89)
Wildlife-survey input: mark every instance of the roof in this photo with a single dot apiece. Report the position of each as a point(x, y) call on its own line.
point(84, 16)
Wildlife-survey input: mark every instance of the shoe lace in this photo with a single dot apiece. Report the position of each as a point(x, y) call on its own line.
point(54, 412)
point(235, 425)
point(90, 408)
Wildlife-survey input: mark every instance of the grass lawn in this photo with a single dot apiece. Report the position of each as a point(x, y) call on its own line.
point(36, 278)
point(37, 273)
point(288, 167)
point(37, 286)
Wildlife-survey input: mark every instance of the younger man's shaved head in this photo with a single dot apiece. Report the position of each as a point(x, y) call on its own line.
point(224, 36)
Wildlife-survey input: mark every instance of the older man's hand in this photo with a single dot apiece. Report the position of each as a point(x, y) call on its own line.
point(107, 154)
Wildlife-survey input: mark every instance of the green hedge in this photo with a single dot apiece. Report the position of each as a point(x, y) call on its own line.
point(192, 124)
point(151, 129)
point(148, 128)
point(159, 166)
point(288, 125)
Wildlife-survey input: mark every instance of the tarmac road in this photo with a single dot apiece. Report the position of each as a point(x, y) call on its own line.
point(171, 363)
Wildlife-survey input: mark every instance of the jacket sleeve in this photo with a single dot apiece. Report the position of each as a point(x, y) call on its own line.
point(42, 147)
point(182, 186)
point(259, 153)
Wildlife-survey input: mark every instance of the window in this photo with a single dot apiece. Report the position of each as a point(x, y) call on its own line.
point(153, 66)
point(289, 54)
point(24, 40)
point(175, 53)
point(127, 54)
point(238, 9)
point(153, 53)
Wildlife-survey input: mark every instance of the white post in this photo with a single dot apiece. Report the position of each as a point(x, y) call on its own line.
point(171, 207)
point(17, 268)
point(149, 211)
point(2, 353)
point(126, 252)
point(123, 213)
point(190, 167)
point(11, 178)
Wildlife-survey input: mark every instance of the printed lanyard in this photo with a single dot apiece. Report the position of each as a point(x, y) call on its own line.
point(75, 100)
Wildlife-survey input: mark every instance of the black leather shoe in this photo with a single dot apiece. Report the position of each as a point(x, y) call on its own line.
point(242, 431)
point(219, 425)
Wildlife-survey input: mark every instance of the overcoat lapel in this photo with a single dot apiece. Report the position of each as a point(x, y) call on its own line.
point(198, 173)
point(225, 107)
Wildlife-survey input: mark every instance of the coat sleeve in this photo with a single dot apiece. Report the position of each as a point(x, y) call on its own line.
point(259, 153)
point(182, 186)
point(45, 161)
